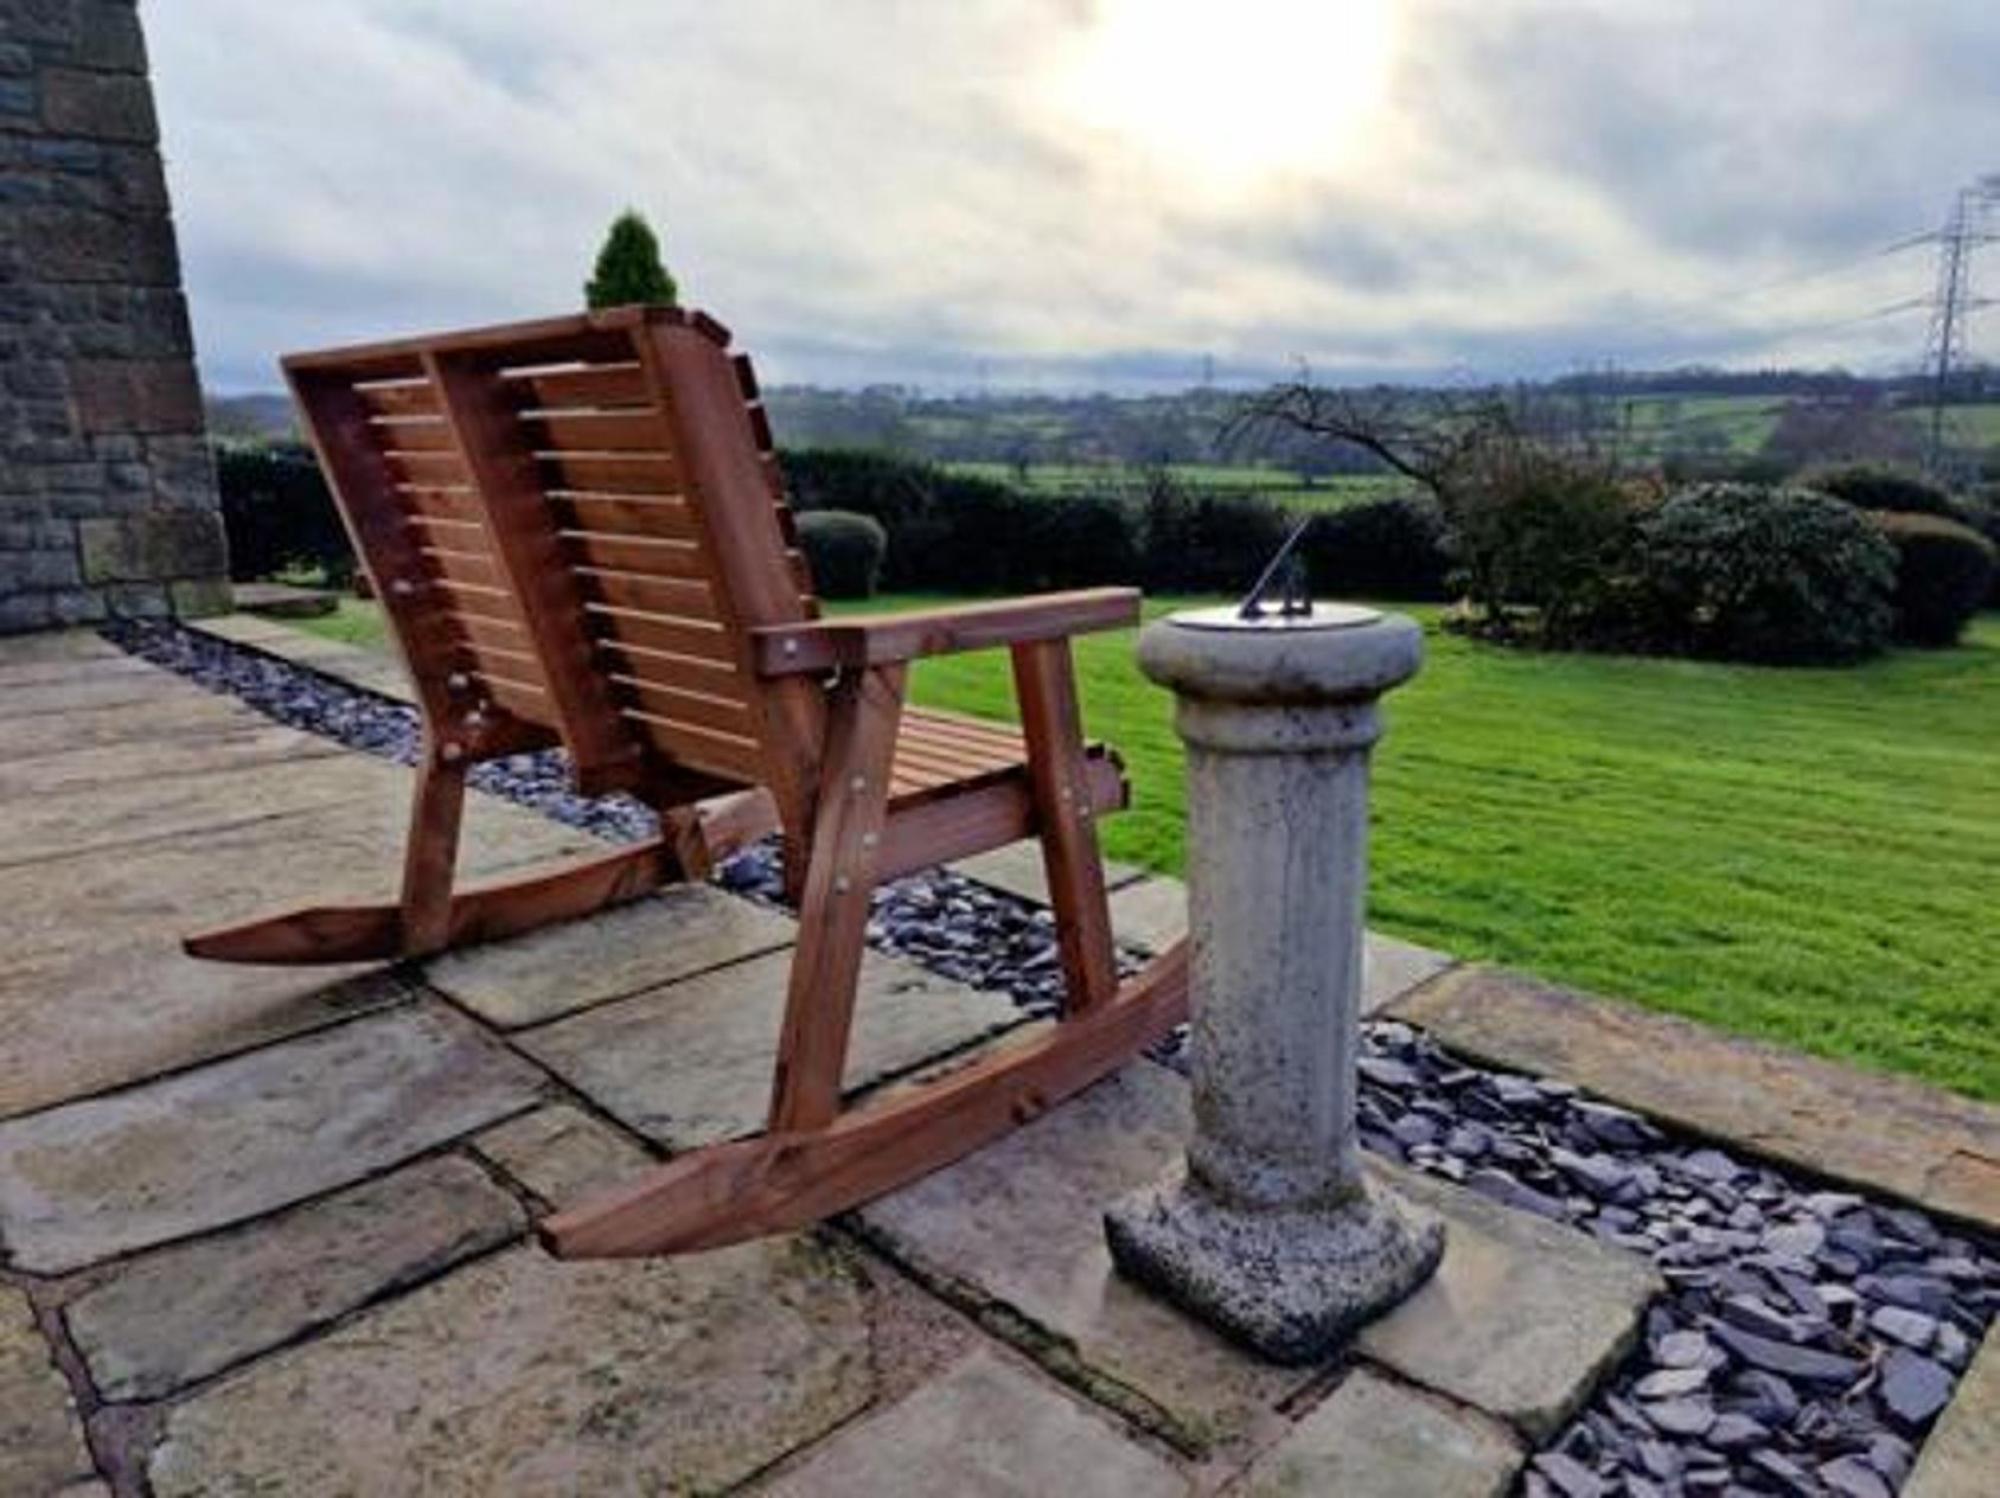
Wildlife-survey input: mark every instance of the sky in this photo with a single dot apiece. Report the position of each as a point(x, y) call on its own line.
point(1089, 194)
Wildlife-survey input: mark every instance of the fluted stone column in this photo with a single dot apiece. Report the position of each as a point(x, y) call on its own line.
point(1270, 1230)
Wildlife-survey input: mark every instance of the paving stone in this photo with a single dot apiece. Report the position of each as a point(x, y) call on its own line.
point(1375, 1439)
point(1963, 1450)
point(690, 1063)
point(87, 691)
point(246, 1135)
point(103, 928)
point(985, 1427)
point(1017, 869)
point(546, 974)
point(1150, 915)
point(1928, 1146)
point(1520, 1320)
point(246, 745)
point(523, 1376)
point(561, 1153)
point(1391, 967)
point(56, 646)
point(183, 1313)
point(1016, 1231)
point(41, 1439)
point(64, 825)
point(1523, 1317)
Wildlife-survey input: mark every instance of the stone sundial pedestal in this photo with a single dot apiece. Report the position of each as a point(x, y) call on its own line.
point(1270, 1231)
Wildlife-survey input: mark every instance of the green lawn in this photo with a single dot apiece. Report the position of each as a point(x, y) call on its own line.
point(1280, 484)
point(1808, 856)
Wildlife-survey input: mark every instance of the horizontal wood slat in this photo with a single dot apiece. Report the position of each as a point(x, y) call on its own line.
point(712, 678)
point(429, 468)
point(636, 554)
point(718, 754)
point(445, 504)
point(405, 398)
point(662, 519)
point(591, 386)
point(423, 436)
point(672, 636)
point(674, 597)
point(687, 708)
point(467, 568)
point(492, 634)
point(636, 473)
point(597, 431)
point(479, 603)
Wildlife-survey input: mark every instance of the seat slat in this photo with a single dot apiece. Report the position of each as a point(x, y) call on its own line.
point(611, 473)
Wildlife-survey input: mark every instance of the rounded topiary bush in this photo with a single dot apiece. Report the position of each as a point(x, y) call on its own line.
point(1877, 486)
point(1944, 573)
point(1784, 576)
point(844, 551)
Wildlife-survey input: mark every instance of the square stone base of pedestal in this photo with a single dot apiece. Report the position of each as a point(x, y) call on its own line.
point(1289, 1285)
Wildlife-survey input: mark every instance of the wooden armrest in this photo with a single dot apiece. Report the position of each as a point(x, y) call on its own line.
point(860, 640)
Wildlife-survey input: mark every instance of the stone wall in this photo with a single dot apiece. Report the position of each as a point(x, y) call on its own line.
point(107, 492)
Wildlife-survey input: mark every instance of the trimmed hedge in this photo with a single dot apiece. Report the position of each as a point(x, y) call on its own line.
point(1783, 576)
point(1876, 486)
point(844, 551)
point(1393, 547)
point(1944, 574)
point(278, 513)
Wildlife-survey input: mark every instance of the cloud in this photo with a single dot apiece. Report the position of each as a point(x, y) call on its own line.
point(886, 190)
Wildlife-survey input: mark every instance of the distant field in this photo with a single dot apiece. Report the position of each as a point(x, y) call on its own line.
point(1287, 488)
point(1806, 856)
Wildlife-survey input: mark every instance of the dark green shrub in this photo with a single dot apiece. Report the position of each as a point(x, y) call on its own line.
point(1534, 526)
point(844, 551)
point(279, 514)
point(1982, 513)
point(1737, 572)
point(1877, 486)
point(1379, 548)
point(1944, 574)
point(628, 266)
point(1203, 542)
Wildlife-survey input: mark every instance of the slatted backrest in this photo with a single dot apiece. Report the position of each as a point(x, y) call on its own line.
point(601, 492)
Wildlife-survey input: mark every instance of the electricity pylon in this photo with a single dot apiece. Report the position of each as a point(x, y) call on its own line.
point(1953, 304)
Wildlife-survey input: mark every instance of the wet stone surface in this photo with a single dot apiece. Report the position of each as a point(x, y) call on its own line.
point(1808, 1339)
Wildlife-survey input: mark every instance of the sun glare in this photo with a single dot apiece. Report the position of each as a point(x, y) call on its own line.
point(1235, 92)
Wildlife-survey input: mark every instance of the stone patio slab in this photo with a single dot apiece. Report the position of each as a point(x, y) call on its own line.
point(1151, 914)
point(240, 1137)
point(103, 927)
point(87, 691)
point(377, 671)
point(1521, 1319)
point(163, 764)
point(181, 1314)
point(1524, 1316)
point(546, 974)
point(1018, 870)
point(1961, 1457)
point(562, 1154)
point(1375, 1439)
point(62, 825)
point(690, 1063)
point(1929, 1147)
point(56, 645)
point(522, 1376)
point(1014, 1234)
point(41, 1440)
point(986, 1429)
point(193, 714)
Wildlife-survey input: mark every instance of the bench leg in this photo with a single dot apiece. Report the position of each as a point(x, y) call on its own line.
point(1059, 771)
point(430, 858)
point(852, 807)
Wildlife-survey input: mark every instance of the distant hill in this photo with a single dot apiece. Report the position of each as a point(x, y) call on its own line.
point(265, 415)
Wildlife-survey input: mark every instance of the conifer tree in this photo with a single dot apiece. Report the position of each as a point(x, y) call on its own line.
point(628, 268)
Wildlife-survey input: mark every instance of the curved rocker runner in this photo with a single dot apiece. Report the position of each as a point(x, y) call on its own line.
point(578, 533)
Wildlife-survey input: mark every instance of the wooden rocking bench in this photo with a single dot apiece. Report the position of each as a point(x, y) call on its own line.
point(578, 533)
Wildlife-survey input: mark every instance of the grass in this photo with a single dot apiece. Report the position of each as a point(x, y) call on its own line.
point(1811, 857)
point(1279, 484)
